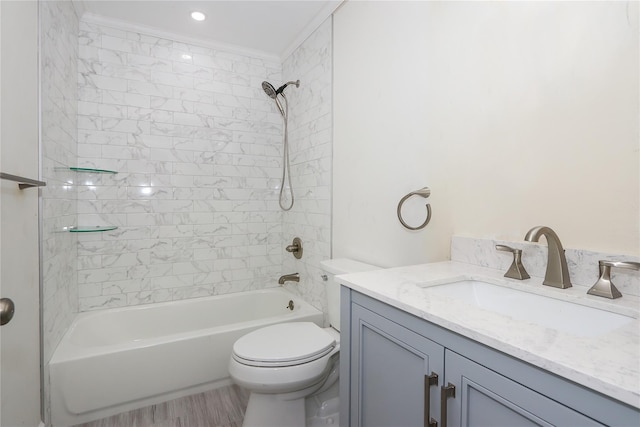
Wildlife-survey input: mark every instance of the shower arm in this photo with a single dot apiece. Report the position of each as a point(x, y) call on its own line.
point(284, 86)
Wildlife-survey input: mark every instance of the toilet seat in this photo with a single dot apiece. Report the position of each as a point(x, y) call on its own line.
point(284, 344)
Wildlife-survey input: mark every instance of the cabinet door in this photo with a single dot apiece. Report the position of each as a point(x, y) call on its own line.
point(486, 398)
point(390, 370)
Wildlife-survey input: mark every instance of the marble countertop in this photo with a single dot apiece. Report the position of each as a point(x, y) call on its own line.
point(609, 364)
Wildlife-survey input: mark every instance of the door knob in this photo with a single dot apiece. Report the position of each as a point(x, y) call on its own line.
point(7, 308)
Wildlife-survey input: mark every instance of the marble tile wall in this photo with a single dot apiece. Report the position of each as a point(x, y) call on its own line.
point(59, 105)
point(197, 147)
point(310, 140)
point(583, 264)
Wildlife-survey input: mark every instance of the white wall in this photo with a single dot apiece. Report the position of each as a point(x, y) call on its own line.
point(514, 114)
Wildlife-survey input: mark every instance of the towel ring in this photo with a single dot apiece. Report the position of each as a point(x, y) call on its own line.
point(423, 192)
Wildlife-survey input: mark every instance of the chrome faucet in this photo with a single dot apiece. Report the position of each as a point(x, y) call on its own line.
point(295, 277)
point(557, 274)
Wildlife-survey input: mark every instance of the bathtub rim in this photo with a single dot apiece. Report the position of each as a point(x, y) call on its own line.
point(68, 351)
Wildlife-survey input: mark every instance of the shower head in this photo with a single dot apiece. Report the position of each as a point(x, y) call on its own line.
point(273, 94)
point(269, 90)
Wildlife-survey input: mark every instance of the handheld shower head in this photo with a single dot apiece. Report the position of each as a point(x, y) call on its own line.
point(273, 94)
point(269, 90)
point(285, 202)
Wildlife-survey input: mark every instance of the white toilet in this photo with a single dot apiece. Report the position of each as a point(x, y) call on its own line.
point(285, 365)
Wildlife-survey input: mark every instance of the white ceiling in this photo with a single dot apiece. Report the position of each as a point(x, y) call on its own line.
point(272, 28)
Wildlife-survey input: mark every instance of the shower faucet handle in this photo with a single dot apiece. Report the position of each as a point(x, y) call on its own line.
point(516, 270)
point(295, 248)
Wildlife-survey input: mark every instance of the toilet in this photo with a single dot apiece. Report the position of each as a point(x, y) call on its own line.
point(291, 369)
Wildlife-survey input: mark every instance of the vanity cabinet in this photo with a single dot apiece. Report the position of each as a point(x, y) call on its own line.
point(399, 370)
point(395, 373)
point(486, 398)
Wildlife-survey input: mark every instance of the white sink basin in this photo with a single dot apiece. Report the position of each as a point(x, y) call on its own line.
point(548, 312)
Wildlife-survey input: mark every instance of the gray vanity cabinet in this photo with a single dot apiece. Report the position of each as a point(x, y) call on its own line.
point(486, 398)
point(388, 357)
point(395, 371)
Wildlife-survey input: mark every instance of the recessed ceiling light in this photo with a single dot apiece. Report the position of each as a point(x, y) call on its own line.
point(198, 16)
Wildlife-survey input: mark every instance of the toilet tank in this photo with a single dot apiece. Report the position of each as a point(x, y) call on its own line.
point(332, 268)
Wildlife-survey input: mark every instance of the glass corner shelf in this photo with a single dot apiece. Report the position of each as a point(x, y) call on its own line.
point(91, 228)
point(90, 170)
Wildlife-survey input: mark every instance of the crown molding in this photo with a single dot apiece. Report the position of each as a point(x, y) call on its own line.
point(156, 32)
point(313, 25)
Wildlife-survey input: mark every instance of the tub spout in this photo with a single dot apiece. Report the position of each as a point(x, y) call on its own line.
point(295, 277)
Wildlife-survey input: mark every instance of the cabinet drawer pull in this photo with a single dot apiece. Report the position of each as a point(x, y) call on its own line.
point(445, 392)
point(429, 380)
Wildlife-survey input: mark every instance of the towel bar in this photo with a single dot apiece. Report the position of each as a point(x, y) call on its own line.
point(22, 182)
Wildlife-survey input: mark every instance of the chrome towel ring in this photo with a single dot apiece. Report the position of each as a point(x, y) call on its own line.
point(423, 192)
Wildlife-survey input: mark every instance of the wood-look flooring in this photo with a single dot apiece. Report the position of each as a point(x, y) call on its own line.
point(222, 407)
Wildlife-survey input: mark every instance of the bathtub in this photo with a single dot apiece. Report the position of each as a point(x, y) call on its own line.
point(116, 360)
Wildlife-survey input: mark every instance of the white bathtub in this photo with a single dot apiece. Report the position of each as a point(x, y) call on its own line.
point(116, 360)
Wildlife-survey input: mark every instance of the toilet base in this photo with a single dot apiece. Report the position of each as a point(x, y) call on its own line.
point(320, 407)
point(323, 409)
point(268, 410)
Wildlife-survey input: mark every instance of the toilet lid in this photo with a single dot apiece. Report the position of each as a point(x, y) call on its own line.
point(284, 344)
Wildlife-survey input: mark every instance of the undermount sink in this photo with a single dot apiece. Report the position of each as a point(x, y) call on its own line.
point(544, 311)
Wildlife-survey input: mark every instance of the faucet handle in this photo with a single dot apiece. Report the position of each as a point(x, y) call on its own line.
point(295, 248)
point(630, 265)
point(516, 270)
point(506, 248)
point(604, 287)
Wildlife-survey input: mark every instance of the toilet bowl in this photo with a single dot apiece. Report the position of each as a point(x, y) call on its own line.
point(283, 358)
point(283, 365)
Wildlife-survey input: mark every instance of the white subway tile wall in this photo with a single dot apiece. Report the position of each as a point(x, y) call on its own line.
point(310, 139)
point(198, 150)
point(59, 104)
